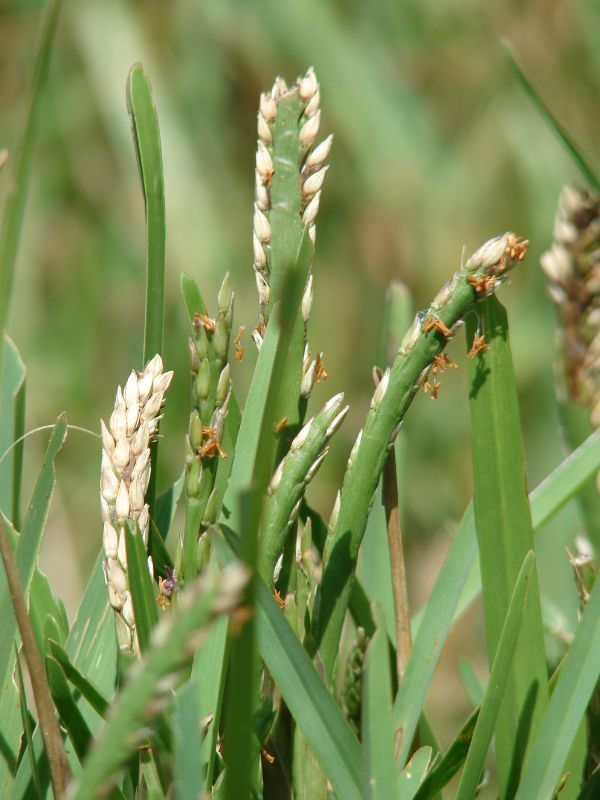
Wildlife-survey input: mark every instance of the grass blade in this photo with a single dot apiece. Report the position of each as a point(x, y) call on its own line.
point(188, 774)
point(27, 730)
point(150, 689)
point(459, 583)
point(58, 762)
point(146, 139)
point(141, 586)
point(576, 682)
point(70, 716)
point(80, 681)
point(499, 678)
point(432, 632)
point(28, 544)
point(380, 780)
point(550, 119)
point(12, 422)
point(12, 219)
point(505, 536)
point(313, 708)
point(450, 763)
point(413, 774)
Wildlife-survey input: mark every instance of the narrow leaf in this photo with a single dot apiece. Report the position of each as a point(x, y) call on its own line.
point(83, 684)
point(451, 762)
point(413, 774)
point(12, 420)
point(550, 119)
point(380, 779)
point(149, 690)
point(12, 218)
point(141, 586)
point(576, 682)
point(146, 139)
point(499, 679)
point(70, 716)
point(505, 535)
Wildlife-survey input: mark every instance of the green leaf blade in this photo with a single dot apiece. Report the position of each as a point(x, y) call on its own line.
point(505, 536)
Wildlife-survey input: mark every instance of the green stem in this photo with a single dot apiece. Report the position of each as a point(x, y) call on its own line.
point(381, 423)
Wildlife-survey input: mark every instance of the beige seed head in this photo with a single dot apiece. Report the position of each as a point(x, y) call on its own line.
point(317, 157)
point(311, 210)
point(308, 85)
point(262, 227)
point(309, 131)
point(314, 182)
point(268, 107)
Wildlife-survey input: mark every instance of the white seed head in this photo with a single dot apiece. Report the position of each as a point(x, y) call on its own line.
point(264, 292)
point(411, 336)
point(314, 467)
point(312, 232)
point(154, 366)
point(144, 523)
point(313, 104)
point(279, 88)
point(264, 164)
point(317, 157)
point(444, 294)
point(108, 443)
point(308, 380)
point(130, 392)
point(307, 298)
point(114, 598)
point(260, 257)
point(133, 415)
point(223, 384)
point(152, 407)
point(110, 540)
point(104, 510)
point(262, 227)
point(302, 435)
point(122, 502)
point(264, 132)
point(310, 129)
point(335, 511)
point(308, 85)
point(261, 195)
point(336, 422)
point(257, 339)
point(380, 390)
point(121, 455)
point(122, 549)
point(118, 422)
point(355, 448)
point(151, 567)
point(314, 182)
point(109, 484)
point(140, 439)
point(128, 614)
point(115, 575)
point(145, 387)
point(162, 382)
point(136, 496)
point(268, 107)
point(311, 210)
point(276, 479)
point(489, 254)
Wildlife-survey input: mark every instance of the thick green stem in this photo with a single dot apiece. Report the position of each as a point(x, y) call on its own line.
point(405, 378)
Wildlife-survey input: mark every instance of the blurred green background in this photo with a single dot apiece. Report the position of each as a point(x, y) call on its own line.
point(435, 147)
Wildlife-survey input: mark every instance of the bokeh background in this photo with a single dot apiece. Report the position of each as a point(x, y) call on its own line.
point(436, 148)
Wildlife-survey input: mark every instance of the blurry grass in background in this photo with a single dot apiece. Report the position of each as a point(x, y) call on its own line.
point(435, 147)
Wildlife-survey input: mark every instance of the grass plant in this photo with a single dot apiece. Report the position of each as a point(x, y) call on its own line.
point(242, 656)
